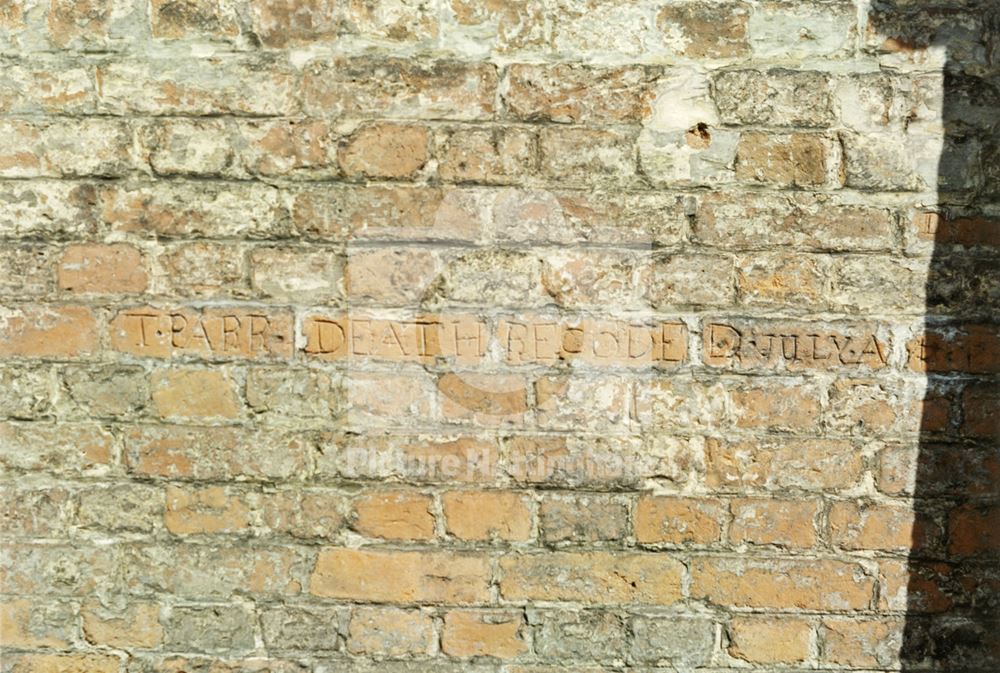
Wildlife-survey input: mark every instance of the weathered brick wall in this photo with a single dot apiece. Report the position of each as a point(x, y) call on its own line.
point(498, 335)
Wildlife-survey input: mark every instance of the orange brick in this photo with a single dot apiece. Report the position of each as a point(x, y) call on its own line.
point(194, 393)
point(390, 632)
point(211, 509)
point(789, 523)
point(29, 622)
point(817, 584)
point(483, 634)
point(138, 625)
point(397, 576)
point(147, 331)
point(861, 643)
point(594, 577)
point(679, 520)
point(385, 151)
point(48, 331)
point(399, 515)
point(777, 405)
point(770, 640)
point(103, 269)
point(487, 515)
point(875, 526)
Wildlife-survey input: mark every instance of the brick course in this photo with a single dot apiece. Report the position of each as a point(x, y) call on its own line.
point(496, 336)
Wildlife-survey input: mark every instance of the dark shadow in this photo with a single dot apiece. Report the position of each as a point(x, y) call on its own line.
point(953, 599)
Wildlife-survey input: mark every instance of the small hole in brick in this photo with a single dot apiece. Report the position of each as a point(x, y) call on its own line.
point(698, 136)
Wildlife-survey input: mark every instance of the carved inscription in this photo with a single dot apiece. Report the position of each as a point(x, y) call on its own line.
point(792, 346)
point(461, 338)
point(211, 332)
point(598, 342)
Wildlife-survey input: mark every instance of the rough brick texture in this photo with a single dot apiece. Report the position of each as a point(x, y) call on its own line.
point(504, 336)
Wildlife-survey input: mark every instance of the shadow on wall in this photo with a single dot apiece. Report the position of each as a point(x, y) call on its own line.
point(953, 597)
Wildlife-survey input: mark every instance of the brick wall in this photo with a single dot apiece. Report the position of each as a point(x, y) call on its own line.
point(498, 335)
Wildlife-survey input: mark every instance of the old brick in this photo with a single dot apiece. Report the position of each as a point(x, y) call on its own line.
point(204, 270)
point(789, 523)
point(391, 277)
point(122, 507)
point(212, 332)
point(974, 530)
point(309, 395)
point(36, 511)
point(586, 635)
point(500, 156)
point(685, 642)
point(763, 344)
point(782, 280)
point(397, 87)
point(137, 626)
point(195, 147)
point(99, 147)
point(770, 640)
point(569, 402)
point(65, 663)
point(735, 220)
point(399, 576)
point(106, 391)
point(300, 148)
point(487, 515)
point(685, 280)
point(778, 464)
point(281, 23)
point(212, 572)
point(194, 209)
point(582, 278)
point(489, 399)
point(219, 628)
point(196, 87)
point(797, 160)
point(78, 21)
point(31, 623)
point(64, 450)
point(385, 151)
point(294, 274)
point(304, 513)
point(717, 31)
point(574, 94)
point(861, 643)
point(774, 98)
point(103, 269)
point(48, 331)
point(194, 394)
point(198, 18)
point(585, 156)
point(483, 634)
point(313, 627)
point(675, 520)
point(209, 509)
point(598, 577)
point(398, 515)
point(804, 584)
point(582, 518)
point(777, 404)
point(873, 526)
point(26, 271)
point(390, 632)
